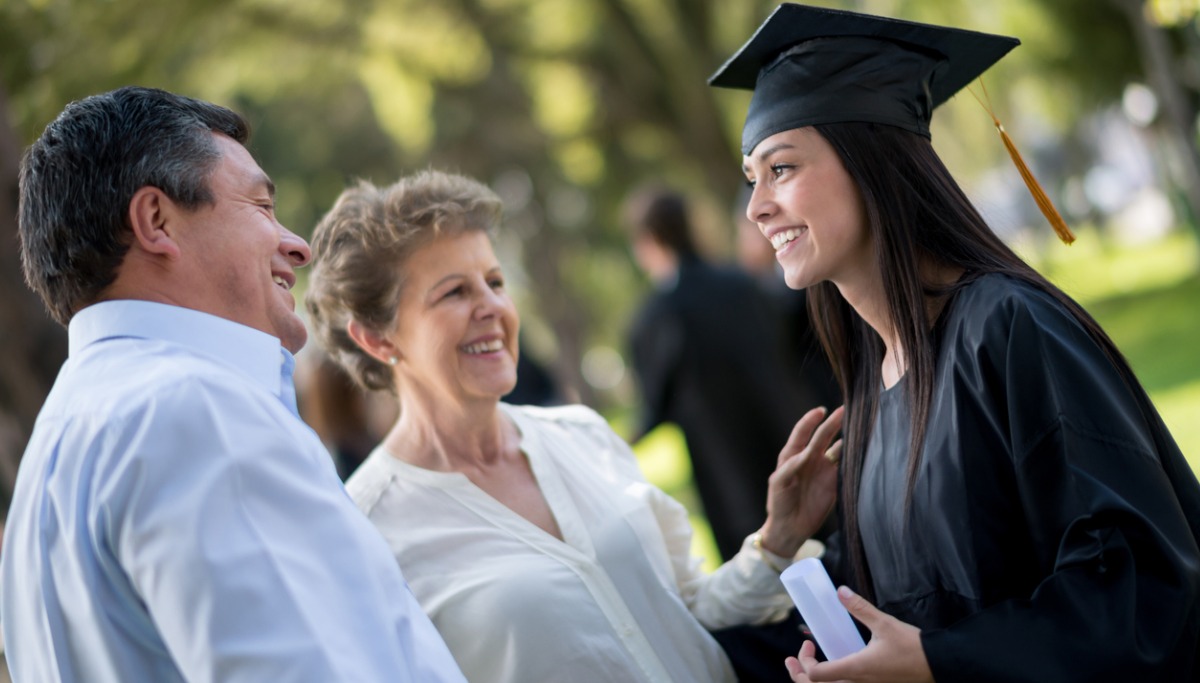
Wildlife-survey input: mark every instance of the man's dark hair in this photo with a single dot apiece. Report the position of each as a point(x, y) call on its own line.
point(78, 178)
point(662, 214)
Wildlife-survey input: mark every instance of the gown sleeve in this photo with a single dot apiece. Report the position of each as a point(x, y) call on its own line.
point(1108, 505)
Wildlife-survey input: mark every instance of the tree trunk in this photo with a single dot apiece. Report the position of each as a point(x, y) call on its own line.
point(32, 346)
point(1179, 114)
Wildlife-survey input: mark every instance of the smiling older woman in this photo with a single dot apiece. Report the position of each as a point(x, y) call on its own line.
point(528, 534)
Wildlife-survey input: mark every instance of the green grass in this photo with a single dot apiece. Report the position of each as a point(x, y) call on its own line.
point(1148, 300)
point(1095, 269)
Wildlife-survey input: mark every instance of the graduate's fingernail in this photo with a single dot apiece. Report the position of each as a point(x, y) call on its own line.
point(845, 592)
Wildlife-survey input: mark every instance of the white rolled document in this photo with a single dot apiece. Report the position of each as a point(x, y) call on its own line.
point(813, 592)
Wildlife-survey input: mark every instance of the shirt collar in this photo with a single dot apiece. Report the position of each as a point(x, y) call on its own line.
point(256, 354)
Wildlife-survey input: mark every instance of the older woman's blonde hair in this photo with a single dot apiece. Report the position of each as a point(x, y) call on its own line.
point(362, 246)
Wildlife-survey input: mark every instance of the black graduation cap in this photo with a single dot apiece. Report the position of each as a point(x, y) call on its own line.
point(811, 65)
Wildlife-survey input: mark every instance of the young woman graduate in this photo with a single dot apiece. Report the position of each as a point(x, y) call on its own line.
point(1014, 507)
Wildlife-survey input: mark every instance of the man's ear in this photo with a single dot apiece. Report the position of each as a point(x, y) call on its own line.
point(151, 213)
point(376, 345)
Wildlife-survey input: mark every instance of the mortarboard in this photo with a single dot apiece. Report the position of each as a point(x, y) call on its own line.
point(810, 65)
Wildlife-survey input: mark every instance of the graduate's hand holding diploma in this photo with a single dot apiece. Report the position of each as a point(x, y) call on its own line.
point(803, 488)
point(893, 655)
point(800, 496)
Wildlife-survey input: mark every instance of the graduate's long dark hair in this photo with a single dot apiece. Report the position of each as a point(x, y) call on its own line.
point(916, 214)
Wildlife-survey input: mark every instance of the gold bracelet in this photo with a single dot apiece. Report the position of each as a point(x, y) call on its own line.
point(763, 553)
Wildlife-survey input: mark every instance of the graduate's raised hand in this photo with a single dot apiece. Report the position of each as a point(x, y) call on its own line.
point(803, 487)
point(893, 655)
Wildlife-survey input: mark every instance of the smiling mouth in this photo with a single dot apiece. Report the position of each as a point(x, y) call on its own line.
point(282, 282)
point(781, 239)
point(484, 347)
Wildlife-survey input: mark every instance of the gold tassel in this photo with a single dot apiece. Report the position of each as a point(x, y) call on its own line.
point(1035, 188)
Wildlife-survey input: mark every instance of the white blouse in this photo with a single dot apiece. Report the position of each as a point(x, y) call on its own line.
point(619, 599)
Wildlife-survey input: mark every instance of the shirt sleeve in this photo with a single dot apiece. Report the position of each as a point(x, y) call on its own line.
point(1100, 487)
point(744, 590)
point(249, 557)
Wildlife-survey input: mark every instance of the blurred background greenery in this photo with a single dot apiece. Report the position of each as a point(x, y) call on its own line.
point(563, 106)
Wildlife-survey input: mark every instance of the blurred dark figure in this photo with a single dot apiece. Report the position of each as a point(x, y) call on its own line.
point(344, 415)
point(806, 360)
point(705, 354)
point(535, 385)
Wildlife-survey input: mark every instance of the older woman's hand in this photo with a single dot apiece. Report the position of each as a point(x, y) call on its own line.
point(894, 654)
point(803, 487)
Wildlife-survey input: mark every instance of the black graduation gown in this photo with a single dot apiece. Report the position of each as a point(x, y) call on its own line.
point(705, 354)
point(1052, 533)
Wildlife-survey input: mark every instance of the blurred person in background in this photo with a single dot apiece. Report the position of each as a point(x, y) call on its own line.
point(798, 340)
point(528, 533)
point(338, 410)
point(1012, 502)
point(173, 518)
point(536, 386)
point(704, 347)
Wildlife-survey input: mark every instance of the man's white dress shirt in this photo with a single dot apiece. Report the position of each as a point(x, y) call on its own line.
point(174, 520)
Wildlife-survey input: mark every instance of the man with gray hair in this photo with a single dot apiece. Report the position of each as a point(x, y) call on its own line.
point(173, 518)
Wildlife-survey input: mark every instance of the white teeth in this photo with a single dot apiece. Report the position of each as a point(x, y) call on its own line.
point(280, 281)
point(781, 238)
point(484, 347)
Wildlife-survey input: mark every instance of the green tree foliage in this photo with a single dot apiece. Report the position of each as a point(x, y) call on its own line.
point(562, 105)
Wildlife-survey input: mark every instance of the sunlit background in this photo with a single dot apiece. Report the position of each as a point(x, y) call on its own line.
point(564, 106)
